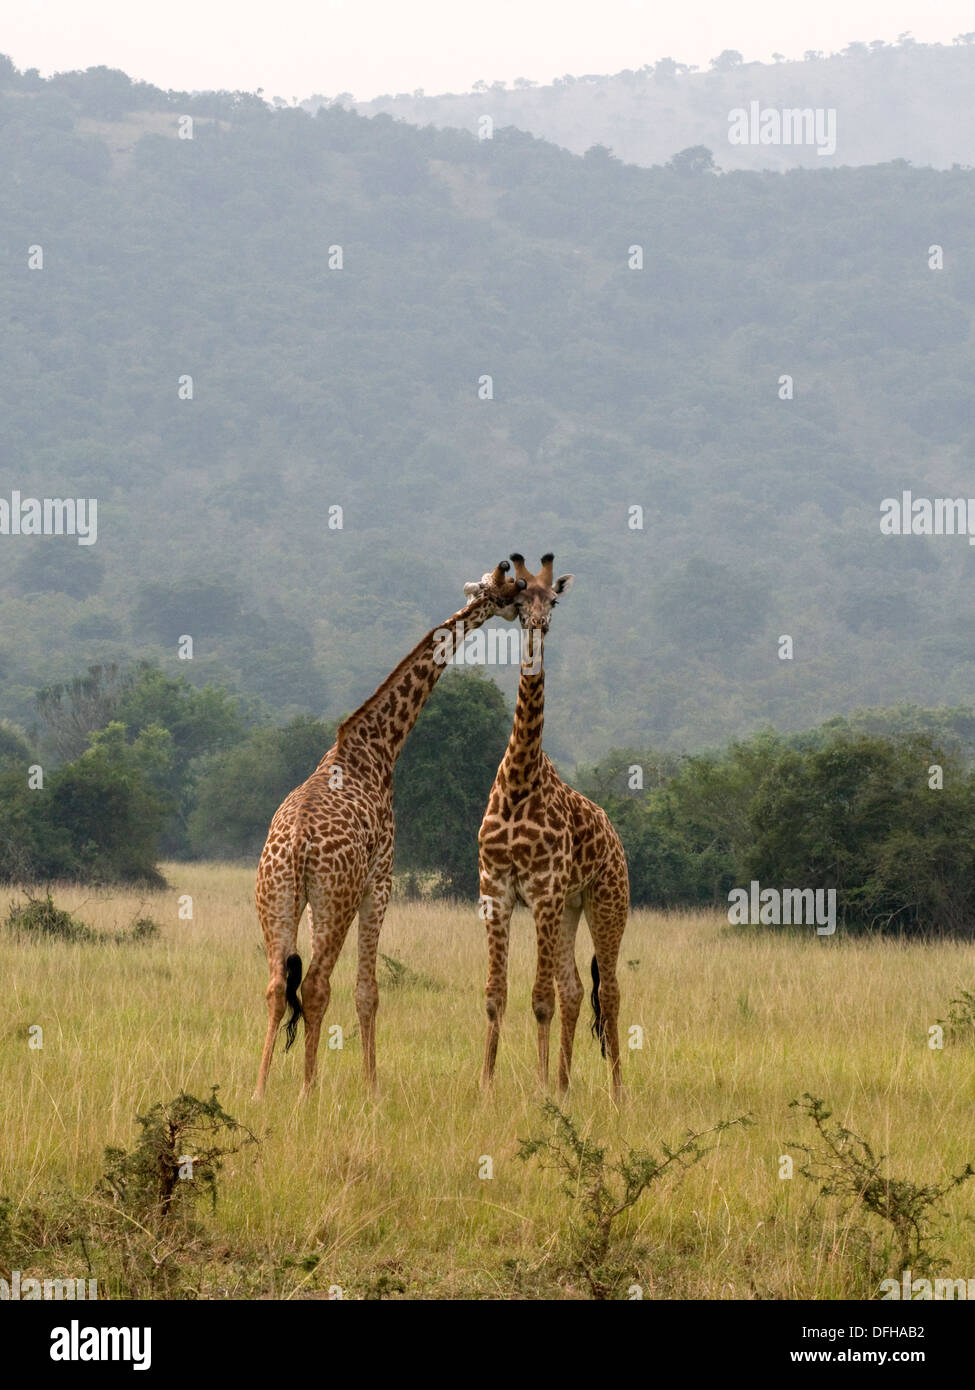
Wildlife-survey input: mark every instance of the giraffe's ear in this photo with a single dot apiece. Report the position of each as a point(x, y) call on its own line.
point(564, 583)
point(472, 590)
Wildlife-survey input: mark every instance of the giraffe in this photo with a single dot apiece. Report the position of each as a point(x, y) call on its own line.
point(330, 843)
point(544, 844)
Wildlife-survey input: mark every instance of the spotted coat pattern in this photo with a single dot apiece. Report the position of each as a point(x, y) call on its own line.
point(330, 844)
point(546, 845)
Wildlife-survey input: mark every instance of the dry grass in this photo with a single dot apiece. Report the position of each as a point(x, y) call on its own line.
point(378, 1194)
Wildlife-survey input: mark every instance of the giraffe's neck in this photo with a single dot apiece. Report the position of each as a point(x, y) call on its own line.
point(378, 728)
point(522, 763)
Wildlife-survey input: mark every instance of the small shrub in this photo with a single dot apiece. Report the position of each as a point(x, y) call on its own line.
point(136, 1232)
point(959, 1026)
point(399, 975)
point(39, 917)
point(845, 1166)
point(51, 1235)
point(150, 1182)
point(603, 1190)
point(384, 1285)
point(143, 929)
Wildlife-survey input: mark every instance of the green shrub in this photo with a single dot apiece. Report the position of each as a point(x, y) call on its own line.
point(845, 1166)
point(39, 917)
point(601, 1192)
point(176, 1159)
point(959, 1026)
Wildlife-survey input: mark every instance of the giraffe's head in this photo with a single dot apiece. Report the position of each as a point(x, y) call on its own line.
point(495, 592)
point(537, 594)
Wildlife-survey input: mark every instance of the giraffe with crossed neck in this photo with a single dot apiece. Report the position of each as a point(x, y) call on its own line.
point(330, 844)
point(546, 845)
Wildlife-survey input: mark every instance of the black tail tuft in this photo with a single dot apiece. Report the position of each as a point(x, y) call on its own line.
point(597, 1017)
point(293, 965)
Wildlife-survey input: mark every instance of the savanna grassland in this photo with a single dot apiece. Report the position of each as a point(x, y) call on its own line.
point(382, 1197)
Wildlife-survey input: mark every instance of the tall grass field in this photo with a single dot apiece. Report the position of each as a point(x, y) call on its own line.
point(421, 1191)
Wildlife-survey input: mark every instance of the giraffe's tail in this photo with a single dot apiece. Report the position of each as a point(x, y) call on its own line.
point(598, 1029)
point(293, 967)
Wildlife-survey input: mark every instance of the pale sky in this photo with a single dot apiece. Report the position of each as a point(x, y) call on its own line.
point(367, 47)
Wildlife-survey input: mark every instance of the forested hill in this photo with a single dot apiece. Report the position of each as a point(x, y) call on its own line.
point(613, 388)
point(901, 100)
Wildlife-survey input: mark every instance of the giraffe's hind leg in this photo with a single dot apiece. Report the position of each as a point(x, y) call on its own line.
point(372, 910)
point(279, 912)
point(569, 987)
point(548, 913)
point(607, 906)
point(330, 922)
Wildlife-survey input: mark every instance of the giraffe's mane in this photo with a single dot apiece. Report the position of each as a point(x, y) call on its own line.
point(344, 728)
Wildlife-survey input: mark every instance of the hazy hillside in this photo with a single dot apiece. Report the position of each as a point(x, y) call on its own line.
point(902, 101)
point(613, 388)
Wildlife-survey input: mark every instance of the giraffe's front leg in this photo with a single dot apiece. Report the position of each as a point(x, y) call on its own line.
point(548, 931)
point(570, 989)
point(497, 897)
point(372, 910)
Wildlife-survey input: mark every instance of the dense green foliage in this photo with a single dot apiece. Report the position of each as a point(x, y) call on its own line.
point(853, 806)
point(879, 806)
point(165, 768)
point(179, 723)
point(97, 819)
point(358, 388)
point(444, 776)
point(238, 791)
point(441, 784)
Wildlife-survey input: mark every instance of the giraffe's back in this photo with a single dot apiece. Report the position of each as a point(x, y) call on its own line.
point(554, 825)
point(330, 830)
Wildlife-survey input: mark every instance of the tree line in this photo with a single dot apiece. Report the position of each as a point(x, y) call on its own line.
point(126, 767)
